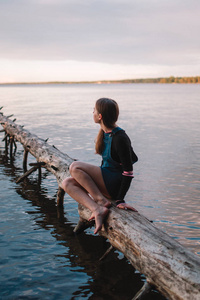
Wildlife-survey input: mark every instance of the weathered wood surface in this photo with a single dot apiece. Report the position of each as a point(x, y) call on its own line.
point(55, 161)
point(171, 268)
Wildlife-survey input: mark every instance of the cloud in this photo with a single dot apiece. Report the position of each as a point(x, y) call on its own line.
point(127, 32)
point(113, 37)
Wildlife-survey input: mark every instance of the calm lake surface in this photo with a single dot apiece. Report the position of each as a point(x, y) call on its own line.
point(40, 257)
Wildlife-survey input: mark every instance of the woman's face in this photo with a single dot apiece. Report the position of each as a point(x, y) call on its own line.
point(96, 116)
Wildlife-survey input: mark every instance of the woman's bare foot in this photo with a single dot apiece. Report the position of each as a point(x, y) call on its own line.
point(106, 203)
point(99, 215)
point(103, 202)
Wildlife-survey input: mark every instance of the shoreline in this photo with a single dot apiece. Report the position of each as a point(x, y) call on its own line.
point(159, 80)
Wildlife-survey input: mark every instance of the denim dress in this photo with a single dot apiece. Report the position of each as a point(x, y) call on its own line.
point(111, 169)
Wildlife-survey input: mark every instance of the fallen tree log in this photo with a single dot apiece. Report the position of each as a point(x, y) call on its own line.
point(49, 156)
point(167, 265)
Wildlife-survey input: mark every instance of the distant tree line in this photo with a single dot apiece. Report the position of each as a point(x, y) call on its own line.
point(171, 79)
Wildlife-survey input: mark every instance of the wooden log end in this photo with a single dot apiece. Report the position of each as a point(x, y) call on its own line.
point(106, 253)
point(60, 197)
point(143, 291)
point(26, 174)
point(83, 225)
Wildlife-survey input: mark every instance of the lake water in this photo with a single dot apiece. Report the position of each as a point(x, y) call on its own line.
point(40, 257)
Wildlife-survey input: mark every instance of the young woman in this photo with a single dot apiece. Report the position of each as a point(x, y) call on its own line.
point(94, 186)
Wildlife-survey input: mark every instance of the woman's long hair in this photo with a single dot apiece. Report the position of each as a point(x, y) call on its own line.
point(109, 110)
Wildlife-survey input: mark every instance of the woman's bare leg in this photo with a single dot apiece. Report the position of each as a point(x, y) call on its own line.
point(90, 178)
point(73, 188)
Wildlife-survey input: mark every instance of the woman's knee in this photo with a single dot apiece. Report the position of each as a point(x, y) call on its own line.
point(74, 166)
point(68, 183)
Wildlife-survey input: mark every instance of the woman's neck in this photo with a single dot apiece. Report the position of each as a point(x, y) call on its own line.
point(107, 129)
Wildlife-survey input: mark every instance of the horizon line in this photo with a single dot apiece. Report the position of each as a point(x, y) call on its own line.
point(171, 79)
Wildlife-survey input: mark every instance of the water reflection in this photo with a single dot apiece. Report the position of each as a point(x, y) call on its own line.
point(43, 267)
point(163, 123)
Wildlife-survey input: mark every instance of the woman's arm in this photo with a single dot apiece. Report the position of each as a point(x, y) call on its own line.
point(123, 153)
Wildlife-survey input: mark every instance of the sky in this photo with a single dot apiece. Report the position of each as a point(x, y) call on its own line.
point(76, 40)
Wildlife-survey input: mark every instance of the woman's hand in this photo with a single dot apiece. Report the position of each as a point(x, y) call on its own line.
point(126, 206)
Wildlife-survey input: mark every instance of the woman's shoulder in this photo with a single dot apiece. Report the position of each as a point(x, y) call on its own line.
point(121, 141)
point(120, 135)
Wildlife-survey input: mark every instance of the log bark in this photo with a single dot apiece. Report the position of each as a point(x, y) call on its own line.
point(55, 161)
point(167, 265)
